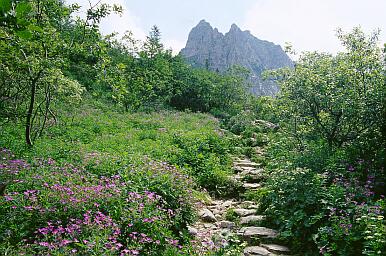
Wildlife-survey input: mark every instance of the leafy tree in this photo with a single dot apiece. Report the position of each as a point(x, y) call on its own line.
point(143, 78)
point(336, 98)
point(204, 90)
point(34, 49)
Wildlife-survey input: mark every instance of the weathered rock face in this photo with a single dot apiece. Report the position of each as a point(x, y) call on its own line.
point(207, 47)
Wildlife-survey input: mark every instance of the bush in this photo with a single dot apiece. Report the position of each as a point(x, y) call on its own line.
point(206, 160)
point(334, 213)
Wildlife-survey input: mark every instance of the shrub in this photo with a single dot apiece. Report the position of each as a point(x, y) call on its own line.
point(332, 212)
point(206, 159)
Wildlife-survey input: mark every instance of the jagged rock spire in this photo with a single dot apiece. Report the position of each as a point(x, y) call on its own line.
point(207, 47)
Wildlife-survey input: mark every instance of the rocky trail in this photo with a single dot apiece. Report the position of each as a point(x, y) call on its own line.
point(224, 219)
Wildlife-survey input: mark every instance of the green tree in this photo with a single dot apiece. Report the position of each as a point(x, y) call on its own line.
point(143, 78)
point(34, 52)
point(336, 98)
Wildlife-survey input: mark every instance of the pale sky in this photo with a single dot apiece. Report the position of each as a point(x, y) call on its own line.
point(307, 24)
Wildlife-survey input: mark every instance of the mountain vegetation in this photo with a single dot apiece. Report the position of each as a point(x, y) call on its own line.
point(108, 145)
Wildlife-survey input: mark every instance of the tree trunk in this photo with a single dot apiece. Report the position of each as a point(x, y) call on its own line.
point(28, 124)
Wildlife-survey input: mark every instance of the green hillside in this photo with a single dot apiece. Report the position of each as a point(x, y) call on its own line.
point(111, 146)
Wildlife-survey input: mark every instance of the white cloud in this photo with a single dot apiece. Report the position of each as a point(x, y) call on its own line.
point(174, 44)
point(311, 24)
point(114, 22)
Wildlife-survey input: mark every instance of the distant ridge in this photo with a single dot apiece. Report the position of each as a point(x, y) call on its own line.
point(207, 47)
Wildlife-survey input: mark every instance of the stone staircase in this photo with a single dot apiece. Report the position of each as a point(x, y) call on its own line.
point(214, 226)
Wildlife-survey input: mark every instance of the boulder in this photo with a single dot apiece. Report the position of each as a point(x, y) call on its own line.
point(207, 215)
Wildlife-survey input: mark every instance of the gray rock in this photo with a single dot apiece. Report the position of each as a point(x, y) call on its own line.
point(251, 219)
point(253, 206)
point(252, 171)
point(259, 232)
point(275, 248)
point(249, 205)
point(215, 211)
point(207, 47)
point(251, 185)
point(226, 224)
point(256, 251)
point(227, 204)
point(207, 215)
point(244, 212)
point(247, 169)
point(245, 163)
point(192, 231)
point(218, 216)
point(209, 226)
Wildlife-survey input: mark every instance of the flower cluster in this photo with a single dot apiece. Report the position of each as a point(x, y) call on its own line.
point(53, 209)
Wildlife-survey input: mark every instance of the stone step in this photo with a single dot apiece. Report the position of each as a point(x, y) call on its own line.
point(226, 224)
point(252, 171)
point(257, 251)
point(240, 169)
point(251, 186)
point(244, 212)
point(249, 205)
point(245, 163)
point(247, 168)
point(275, 248)
point(257, 232)
point(251, 219)
point(253, 178)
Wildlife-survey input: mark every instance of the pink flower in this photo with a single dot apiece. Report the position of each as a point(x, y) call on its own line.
point(45, 244)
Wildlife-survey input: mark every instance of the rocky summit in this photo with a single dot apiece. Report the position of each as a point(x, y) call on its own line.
point(207, 47)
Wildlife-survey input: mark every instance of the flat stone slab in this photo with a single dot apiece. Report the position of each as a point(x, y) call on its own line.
point(244, 212)
point(251, 219)
point(261, 232)
point(256, 251)
point(226, 224)
point(248, 169)
point(275, 248)
point(251, 185)
point(253, 206)
point(249, 205)
point(252, 171)
point(245, 163)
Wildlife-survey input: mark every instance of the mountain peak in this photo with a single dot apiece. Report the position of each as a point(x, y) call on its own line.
point(203, 23)
point(207, 47)
point(234, 27)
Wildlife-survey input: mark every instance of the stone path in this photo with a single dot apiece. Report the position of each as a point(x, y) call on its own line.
point(222, 219)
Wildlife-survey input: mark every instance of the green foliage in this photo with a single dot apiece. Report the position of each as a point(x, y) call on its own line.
point(125, 154)
point(327, 160)
point(256, 195)
point(230, 215)
point(34, 57)
point(293, 202)
point(337, 98)
point(201, 90)
point(207, 160)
